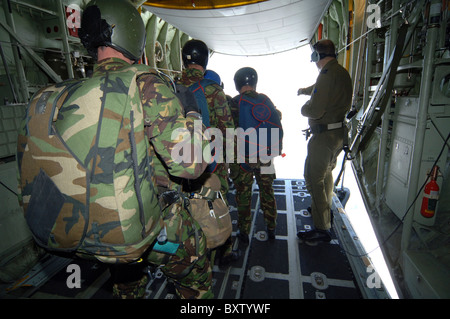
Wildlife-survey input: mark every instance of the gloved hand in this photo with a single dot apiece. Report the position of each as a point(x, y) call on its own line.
point(300, 91)
point(187, 98)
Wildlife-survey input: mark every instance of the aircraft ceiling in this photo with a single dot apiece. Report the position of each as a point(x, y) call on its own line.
point(258, 28)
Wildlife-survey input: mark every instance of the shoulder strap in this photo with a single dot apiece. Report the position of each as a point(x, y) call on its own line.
point(205, 82)
point(199, 91)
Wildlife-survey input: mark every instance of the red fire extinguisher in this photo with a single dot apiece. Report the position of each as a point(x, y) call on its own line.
point(431, 195)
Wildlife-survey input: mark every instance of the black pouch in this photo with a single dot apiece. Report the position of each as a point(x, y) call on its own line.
point(45, 205)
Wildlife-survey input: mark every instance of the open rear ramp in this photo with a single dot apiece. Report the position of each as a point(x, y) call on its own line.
point(286, 268)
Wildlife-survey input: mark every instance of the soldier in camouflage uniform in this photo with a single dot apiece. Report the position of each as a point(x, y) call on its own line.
point(245, 80)
point(106, 33)
point(195, 55)
point(188, 267)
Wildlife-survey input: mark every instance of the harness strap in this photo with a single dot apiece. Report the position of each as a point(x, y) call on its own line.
point(206, 193)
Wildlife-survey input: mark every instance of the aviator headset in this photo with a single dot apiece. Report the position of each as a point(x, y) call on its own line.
point(316, 56)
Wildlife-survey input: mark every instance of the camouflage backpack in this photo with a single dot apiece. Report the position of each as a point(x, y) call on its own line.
point(85, 168)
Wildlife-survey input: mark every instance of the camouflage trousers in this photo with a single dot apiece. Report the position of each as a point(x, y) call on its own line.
point(222, 173)
point(183, 259)
point(323, 150)
point(243, 182)
point(188, 267)
point(129, 280)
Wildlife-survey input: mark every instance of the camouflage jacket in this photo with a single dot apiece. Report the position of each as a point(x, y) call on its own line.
point(219, 111)
point(164, 115)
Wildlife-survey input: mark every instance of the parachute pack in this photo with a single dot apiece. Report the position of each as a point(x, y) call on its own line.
point(198, 89)
point(262, 125)
point(84, 165)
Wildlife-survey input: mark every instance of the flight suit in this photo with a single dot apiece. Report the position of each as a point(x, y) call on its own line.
point(330, 101)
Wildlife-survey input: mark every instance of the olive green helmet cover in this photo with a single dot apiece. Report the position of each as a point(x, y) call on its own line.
point(113, 23)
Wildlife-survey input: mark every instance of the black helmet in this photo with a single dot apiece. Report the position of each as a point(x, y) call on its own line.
point(113, 23)
point(245, 76)
point(195, 52)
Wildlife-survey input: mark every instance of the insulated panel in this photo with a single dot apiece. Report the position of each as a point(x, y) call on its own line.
point(399, 190)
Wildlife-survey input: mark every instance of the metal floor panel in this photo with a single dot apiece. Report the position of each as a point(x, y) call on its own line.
point(286, 268)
